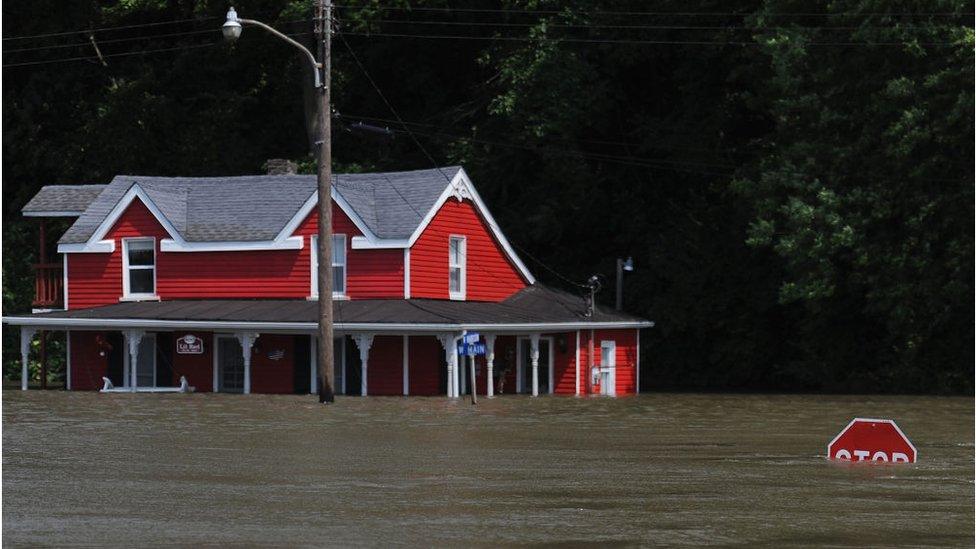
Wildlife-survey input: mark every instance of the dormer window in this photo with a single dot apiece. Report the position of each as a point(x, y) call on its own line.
point(138, 268)
point(338, 266)
point(457, 267)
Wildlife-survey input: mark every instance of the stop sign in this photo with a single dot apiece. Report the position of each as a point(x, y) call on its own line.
point(878, 440)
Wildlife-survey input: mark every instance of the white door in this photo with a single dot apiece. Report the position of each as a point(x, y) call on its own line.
point(608, 368)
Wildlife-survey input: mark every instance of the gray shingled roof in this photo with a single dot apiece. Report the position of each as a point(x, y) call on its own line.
point(534, 304)
point(256, 208)
point(63, 198)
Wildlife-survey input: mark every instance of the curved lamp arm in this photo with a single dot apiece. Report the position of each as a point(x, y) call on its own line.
point(316, 66)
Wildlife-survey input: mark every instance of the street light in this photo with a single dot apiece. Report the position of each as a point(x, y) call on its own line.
point(622, 265)
point(231, 29)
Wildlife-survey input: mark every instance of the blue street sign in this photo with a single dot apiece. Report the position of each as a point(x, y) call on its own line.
point(471, 349)
point(471, 337)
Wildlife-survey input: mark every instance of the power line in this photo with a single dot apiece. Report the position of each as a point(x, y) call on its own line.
point(87, 31)
point(96, 58)
point(631, 42)
point(114, 40)
point(551, 149)
point(549, 24)
point(654, 13)
point(420, 146)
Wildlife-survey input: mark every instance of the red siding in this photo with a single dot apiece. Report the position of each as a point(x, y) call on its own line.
point(198, 369)
point(273, 376)
point(564, 363)
point(385, 371)
point(87, 366)
point(626, 355)
point(426, 355)
point(96, 279)
point(490, 274)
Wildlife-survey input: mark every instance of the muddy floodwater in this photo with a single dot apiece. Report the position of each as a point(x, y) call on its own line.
point(659, 469)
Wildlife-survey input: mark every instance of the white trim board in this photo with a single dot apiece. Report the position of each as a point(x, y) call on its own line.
point(312, 327)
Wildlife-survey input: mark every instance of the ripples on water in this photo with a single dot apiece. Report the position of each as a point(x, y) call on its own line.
point(658, 469)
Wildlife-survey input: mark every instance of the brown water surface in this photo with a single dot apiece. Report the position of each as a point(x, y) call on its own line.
point(659, 469)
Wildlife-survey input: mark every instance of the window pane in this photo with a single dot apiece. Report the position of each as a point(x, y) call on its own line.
point(338, 250)
point(140, 253)
point(455, 280)
point(339, 280)
point(455, 251)
point(141, 281)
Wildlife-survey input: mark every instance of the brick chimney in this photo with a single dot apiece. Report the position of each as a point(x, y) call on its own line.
point(280, 166)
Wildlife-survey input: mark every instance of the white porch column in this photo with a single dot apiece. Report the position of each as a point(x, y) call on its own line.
point(26, 335)
point(247, 340)
point(364, 342)
point(132, 340)
point(449, 342)
point(406, 364)
point(534, 356)
point(490, 363)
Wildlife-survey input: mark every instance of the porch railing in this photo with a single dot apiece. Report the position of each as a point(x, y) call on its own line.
point(48, 285)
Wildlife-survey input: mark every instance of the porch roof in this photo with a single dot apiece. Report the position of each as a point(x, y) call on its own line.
point(534, 308)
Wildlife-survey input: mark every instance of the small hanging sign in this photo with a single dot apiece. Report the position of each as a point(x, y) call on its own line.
point(189, 345)
point(276, 354)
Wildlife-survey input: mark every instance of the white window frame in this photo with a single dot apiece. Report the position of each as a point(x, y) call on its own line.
point(126, 292)
point(462, 266)
point(314, 264)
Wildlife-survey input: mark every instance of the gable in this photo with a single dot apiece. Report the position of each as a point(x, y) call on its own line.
point(490, 273)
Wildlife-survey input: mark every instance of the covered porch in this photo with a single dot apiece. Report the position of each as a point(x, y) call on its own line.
point(537, 343)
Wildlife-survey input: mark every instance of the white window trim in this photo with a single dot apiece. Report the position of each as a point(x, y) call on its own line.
point(314, 267)
point(127, 295)
point(461, 294)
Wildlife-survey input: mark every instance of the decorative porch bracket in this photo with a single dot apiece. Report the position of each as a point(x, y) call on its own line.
point(534, 356)
point(247, 340)
point(363, 342)
point(26, 335)
point(132, 339)
point(490, 363)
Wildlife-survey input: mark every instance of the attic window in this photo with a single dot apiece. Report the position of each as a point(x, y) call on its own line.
point(456, 267)
point(139, 267)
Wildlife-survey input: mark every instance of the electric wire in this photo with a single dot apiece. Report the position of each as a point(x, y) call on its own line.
point(419, 145)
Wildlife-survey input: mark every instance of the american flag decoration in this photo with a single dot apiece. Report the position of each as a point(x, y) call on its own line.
point(276, 354)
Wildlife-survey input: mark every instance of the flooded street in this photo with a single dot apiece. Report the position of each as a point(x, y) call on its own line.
point(659, 469)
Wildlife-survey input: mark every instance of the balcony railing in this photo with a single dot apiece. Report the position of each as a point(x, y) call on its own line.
point(48, 285)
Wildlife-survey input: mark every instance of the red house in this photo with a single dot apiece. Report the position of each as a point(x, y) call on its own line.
point(213, 279)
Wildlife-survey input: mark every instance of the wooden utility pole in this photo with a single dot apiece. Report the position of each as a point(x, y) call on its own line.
point(323, 38)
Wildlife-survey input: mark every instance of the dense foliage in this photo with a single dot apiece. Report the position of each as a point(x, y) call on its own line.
point(794, 179)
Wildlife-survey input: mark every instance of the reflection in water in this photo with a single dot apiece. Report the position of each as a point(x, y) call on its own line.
point(657, 469)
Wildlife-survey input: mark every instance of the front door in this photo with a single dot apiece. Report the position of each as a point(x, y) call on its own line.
point(230, 365)
point(525, 366)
